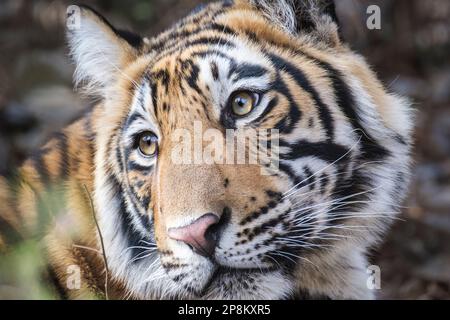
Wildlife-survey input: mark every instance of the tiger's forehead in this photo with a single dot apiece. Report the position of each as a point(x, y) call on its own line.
point(227, 58)
point(196, 82)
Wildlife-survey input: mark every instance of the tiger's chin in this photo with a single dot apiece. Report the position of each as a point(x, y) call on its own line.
point(226, 283)
point(248, 284)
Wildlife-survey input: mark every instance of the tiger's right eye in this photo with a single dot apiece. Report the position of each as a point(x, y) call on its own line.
point(148, 144)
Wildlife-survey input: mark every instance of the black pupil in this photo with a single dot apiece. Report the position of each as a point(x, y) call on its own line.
point(148, 140)
point(241, 101)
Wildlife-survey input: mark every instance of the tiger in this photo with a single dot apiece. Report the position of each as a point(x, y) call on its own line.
point(140, 225)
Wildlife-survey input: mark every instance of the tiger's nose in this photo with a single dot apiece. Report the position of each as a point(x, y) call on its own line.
point(200, 235)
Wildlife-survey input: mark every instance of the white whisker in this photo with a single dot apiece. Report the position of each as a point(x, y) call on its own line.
point(289, 192)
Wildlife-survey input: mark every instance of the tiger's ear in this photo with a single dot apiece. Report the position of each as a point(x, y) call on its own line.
point(314, 17)
point(100, 51)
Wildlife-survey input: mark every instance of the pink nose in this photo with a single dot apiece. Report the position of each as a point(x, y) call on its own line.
point(199, 235)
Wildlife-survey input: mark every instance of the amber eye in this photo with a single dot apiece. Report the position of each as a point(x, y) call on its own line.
point(148, 144)
point(243, 102)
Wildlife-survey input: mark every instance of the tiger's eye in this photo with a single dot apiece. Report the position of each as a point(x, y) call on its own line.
point(148, 144)
point(242, 103)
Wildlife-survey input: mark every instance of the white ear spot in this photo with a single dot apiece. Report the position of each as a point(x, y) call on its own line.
point(98, 52)
point(281, 12)
point(297, 16)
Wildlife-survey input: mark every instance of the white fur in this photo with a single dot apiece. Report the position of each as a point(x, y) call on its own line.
point(281, 12)
point(97, 54)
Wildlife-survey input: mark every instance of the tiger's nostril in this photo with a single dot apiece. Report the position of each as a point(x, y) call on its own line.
point(214, 230)
point(200, 235)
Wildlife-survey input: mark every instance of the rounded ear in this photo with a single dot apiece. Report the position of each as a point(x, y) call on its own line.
point(99, 50)
point(314, 17)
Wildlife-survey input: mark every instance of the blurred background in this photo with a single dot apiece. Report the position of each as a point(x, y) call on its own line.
point(410, 53)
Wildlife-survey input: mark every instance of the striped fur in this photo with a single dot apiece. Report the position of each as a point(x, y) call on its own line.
point(300, 232)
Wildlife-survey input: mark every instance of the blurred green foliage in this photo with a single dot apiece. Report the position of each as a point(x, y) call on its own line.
point(23, 272)
point(24, 265)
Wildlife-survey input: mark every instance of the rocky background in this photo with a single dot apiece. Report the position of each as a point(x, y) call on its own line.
point(410, 53)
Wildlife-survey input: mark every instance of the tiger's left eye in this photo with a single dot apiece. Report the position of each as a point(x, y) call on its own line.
point(243, 102)
point(148, 144)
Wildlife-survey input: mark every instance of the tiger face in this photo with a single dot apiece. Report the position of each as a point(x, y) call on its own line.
point(214, 228)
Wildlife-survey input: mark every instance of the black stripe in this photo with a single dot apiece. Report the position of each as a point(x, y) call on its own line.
point(324, 181)
point(180, 31)
point(359, 183)
point(40, 166)
point(214, 71)
point(56, 284)
point(310, 178)
point(246, 70)
point(132, 38)
point(90, 135)
point(221, 28)
point(296, 179)
point(197, 42)
point(133, 237)
point(173, 38)
point(193, 76)
point(163, 76)
point(288, 123)
point(131, 119)
point(304, 83)
point(64, 152)
point(272, 104)
point(326, 151)
point(119, 158)
point(370, 148)
point(154, 92)
point(145, 220)
point(211, 52)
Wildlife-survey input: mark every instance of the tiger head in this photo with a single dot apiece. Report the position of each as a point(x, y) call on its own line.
point(182, 219)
